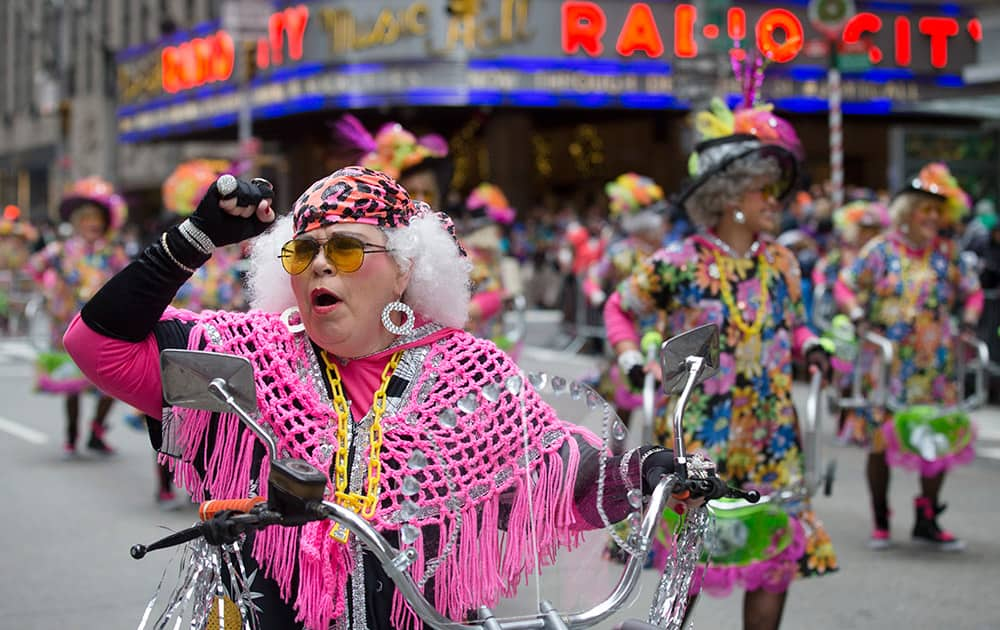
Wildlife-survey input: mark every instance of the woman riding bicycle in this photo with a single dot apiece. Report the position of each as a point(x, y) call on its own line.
point(367, 375)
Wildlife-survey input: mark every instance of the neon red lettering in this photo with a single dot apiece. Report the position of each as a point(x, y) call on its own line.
point(583, 25)
point(736, 20)
point(685, 15)
point(767, 41)
point(939, 29)
point(640, 33)
point(904, 45)
point(860, 24)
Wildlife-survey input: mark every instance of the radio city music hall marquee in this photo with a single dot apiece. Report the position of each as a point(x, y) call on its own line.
point(522, 42)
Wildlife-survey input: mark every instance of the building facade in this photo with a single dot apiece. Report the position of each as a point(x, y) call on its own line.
point(58, 87)
point(535, 95)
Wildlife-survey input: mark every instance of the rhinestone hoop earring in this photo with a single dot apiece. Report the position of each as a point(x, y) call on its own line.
point(739, 217)
point(286, 319)
point(398, 307)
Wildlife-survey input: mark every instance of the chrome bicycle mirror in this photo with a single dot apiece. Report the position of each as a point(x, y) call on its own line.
point(187, 374)
point(702, 342)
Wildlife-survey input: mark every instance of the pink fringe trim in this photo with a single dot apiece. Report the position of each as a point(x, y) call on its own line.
point(909, 460)
point(49, 385)
point(773, 575)
point(487, 563)
point(484, 565)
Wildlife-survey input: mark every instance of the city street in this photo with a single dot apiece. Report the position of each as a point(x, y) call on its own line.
point(70, 523)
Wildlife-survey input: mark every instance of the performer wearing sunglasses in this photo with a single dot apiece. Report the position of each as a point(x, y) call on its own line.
point(361, 369)
point(909, 285)
point(734, 275)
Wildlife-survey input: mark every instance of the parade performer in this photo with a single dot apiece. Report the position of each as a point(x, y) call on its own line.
point(855, 224)
point(487, 214)
point(16, 239)
point(419, 163)
point(734, 275)
point(907, 285)
point(68, 274)
point(638, 208)
point(366, 365)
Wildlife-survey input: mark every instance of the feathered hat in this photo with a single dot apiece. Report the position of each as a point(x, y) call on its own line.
point(935, 180)
point(487, 202)
point(752, 130)
point(12, 225)
point(394, 150)
point(94, 190)
point(186, 185)
point(850, 218)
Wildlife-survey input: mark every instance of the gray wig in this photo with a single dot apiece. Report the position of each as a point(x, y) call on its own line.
point(725, 190)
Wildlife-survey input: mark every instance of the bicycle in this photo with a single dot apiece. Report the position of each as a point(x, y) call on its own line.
point(295, 495)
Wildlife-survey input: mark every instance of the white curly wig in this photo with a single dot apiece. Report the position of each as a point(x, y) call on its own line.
point(439, 286)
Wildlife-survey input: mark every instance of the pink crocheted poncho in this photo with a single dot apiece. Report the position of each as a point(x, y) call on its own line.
point(487, 438)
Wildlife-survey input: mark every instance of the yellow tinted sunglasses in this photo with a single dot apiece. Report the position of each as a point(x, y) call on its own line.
point(345, 253)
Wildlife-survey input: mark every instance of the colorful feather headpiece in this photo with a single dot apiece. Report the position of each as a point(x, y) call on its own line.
point(849, 218)
point(631, 193)
point(936, 180)
point(393, 150)
point(187, 184)
point(488, 200)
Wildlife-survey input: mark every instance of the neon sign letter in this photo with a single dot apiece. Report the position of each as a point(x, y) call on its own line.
point(860, 24)
point(685, 16)
point(293, 21)
point(904, 47)
point(197, 62)
point(583, 26)
point(640, 33)
point(785, 20)
point(939, 30)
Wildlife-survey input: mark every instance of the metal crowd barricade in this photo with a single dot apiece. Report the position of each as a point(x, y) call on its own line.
point(583, 330)
point(879, 396)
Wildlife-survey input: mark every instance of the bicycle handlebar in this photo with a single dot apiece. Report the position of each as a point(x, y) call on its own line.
point(227, 524)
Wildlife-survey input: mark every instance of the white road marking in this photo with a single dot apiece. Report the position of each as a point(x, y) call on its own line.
point(988, 452)
point(22, 432)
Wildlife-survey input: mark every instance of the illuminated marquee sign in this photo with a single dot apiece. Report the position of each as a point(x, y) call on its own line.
point(778, 33)
point(535, 53)
point(211, 59)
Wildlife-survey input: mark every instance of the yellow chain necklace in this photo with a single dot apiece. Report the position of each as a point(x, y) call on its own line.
point(363, 504)
point(914, 276)
point(764, 271)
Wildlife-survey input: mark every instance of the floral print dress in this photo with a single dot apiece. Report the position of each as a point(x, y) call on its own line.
point(911, 297)
point(744, 417)
point(69, 273)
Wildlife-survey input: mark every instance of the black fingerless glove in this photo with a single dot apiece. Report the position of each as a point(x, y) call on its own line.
point(223, 228)
point(654, 466)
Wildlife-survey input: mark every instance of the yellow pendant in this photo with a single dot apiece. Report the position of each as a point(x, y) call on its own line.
point(340, 533)
point(228, 611)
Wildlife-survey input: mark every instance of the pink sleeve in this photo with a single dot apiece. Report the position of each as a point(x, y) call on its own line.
point(127, 371)
point(974, 303)
point(800, 336)
point(489, 303)
point(842, 294)
point(619, 325)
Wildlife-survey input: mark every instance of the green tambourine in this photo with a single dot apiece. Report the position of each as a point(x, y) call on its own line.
point(743, 533)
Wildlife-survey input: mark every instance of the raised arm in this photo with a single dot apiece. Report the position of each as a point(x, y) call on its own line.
point(117, 337)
